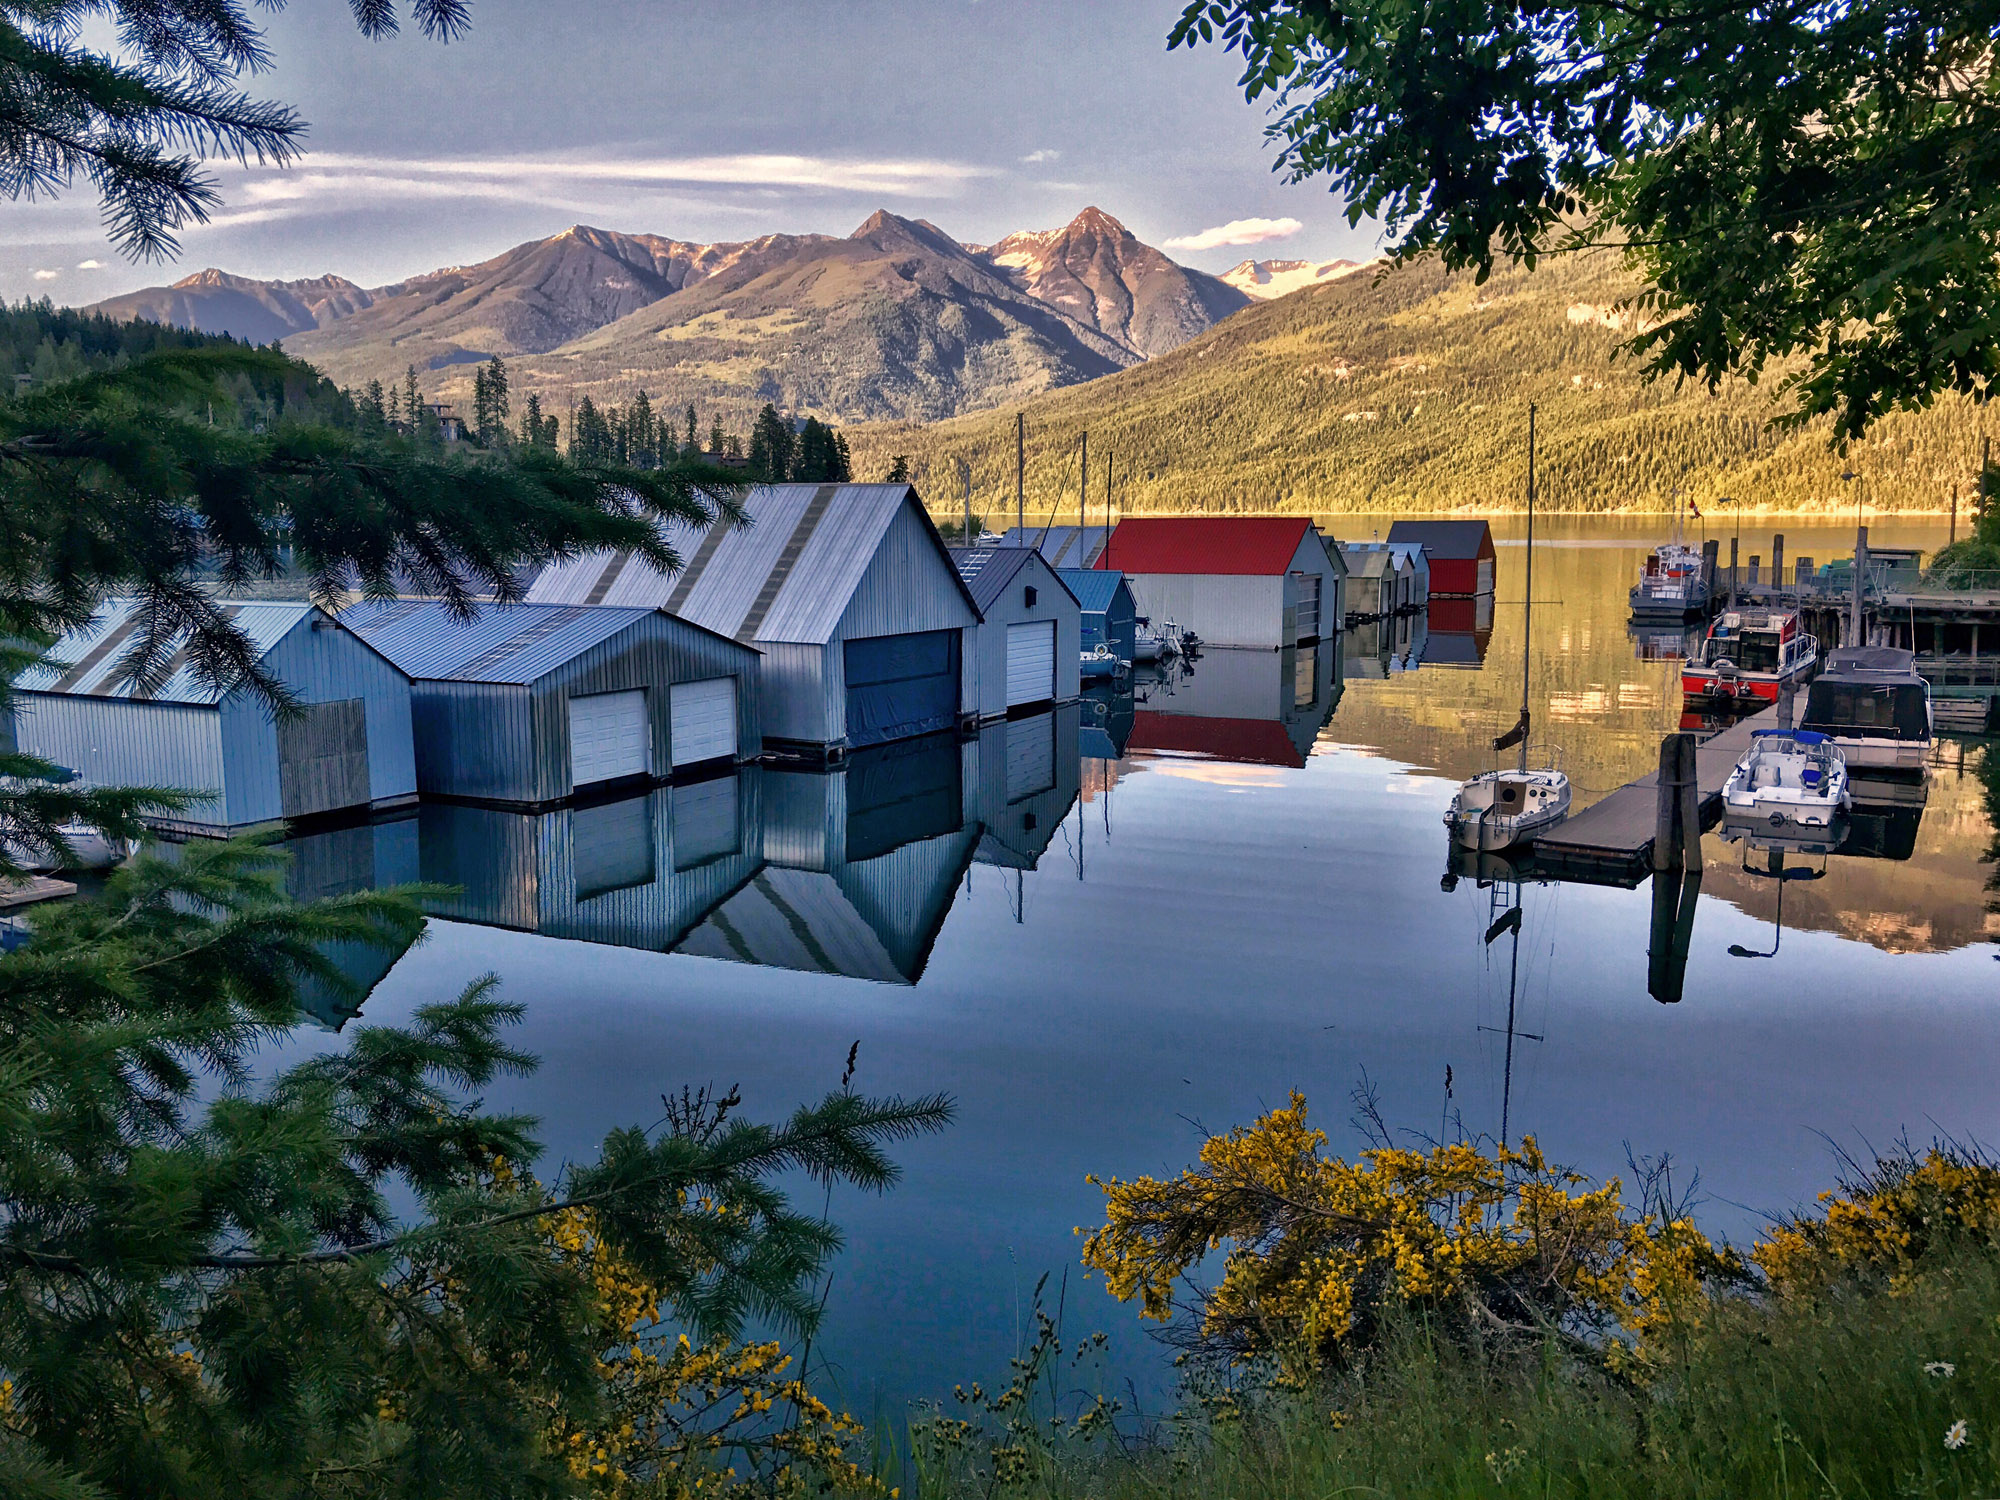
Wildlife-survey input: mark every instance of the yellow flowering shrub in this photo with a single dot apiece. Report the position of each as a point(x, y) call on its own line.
point(1317, 1249)
point(1884, 1223)
point(719, 1419)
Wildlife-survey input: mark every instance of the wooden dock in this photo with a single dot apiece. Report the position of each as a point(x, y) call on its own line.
point(25, 890)
point(1611, 841)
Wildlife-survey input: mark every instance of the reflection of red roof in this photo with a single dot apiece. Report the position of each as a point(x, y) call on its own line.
point(1204, 544)
point(1256, 742)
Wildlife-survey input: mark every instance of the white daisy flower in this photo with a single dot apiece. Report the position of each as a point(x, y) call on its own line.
point(1955, 1435)
point(1939, 1369)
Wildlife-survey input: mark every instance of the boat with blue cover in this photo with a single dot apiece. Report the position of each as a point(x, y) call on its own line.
point(1790, 781)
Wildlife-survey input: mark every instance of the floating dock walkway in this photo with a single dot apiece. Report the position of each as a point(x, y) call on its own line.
point(1611, 841)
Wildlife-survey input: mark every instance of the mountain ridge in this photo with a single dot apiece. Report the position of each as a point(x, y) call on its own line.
point(934, 326)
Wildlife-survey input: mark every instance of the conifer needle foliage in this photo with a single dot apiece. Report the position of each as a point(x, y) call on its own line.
point(207, 1287)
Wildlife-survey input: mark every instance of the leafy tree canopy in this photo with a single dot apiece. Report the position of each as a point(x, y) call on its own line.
point(1806, 187)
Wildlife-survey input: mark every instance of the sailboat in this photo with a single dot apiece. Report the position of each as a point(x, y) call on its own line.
point(1501, 808)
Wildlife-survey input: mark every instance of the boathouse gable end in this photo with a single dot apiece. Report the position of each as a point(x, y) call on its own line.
point(812, 571)
point(1262, 582)
point(1029, 639)
point(1108, 614)
point(524, 705)
point(348, 748)
point(1461, 554)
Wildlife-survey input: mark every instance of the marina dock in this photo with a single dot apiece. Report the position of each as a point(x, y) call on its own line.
point(1611, 841)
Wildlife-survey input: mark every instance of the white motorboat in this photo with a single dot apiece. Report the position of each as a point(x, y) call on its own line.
point(1500, 809)
point(1790, 781)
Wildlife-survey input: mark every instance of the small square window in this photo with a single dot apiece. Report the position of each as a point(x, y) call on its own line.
point(1029, 594)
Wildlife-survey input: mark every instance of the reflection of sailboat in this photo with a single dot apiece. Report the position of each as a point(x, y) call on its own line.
point(1500, 808)
point(1504, 915)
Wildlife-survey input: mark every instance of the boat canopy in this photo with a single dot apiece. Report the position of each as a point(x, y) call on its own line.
point(1872, 661)
point(1803, 736)
point(1855, 705)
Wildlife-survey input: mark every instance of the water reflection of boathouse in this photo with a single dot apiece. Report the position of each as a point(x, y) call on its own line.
point(1257, 707)
point(1027, 775)
point(1459, 632)
point(859, 868)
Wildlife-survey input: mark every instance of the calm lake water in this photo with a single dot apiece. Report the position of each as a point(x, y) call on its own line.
point(1105, 931)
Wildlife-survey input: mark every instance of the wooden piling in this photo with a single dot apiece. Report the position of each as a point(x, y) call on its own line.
point(1677, 807)
point(1778, 559)
point(1732, 572)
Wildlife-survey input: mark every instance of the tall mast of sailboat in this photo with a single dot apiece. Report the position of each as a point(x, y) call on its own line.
point(1528, 605)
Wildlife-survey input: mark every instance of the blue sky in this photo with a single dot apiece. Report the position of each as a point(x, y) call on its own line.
point(709, 121)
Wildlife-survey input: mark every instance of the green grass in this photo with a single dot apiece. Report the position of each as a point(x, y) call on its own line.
point(1823, 1402)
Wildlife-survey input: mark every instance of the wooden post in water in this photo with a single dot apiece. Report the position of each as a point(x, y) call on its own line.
point(1709, 552)
point(1677, 808)
point(1732, 572)
point(1778, 560)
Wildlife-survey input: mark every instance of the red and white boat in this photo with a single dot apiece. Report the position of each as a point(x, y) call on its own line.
point(1750, 655)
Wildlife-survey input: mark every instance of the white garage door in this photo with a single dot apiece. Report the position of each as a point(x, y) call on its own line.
point(1031, 662)
point(607, 737)
point(703, 716)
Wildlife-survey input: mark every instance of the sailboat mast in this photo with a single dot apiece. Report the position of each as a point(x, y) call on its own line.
point(1083, 487)
point(1528, 605)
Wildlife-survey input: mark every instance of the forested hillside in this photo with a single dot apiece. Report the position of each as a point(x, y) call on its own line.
point(1409, 392)
point(45, 342)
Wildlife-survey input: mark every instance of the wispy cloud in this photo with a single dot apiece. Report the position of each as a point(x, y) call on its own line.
point(1237, 232)
point(581, 184)
point(47, 275)
point(90, 265)
point(1036, 158)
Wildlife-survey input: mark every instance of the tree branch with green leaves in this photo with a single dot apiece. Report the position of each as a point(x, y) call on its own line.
point(1809, 191)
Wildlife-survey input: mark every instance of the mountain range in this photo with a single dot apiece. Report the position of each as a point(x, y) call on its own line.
point(896, 321)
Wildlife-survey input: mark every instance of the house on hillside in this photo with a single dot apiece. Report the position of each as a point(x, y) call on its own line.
point(867, 632)
point(1460, 552)
point(527, 704)
point(1264, 582)
point(1029, 629)
point(348, 750)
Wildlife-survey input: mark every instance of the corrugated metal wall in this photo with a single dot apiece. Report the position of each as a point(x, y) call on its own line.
point(1224, 609)
point(120, 742)
point(323, 665)
point(909, 586)
point(507, 743)
point(1018, 828)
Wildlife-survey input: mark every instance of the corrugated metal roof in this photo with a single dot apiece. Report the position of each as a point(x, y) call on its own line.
point(1410, 552)
point(988, 570)
point(1262, 545)
point(1095, 588)
point(515, 643)
point(1451, 540)
point(1060, 546)
point(88, 661)
point(785, 575)
point(1367, 559)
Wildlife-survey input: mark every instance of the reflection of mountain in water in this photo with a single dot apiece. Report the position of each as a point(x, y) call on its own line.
point(1251, 707)
point(848, 872)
